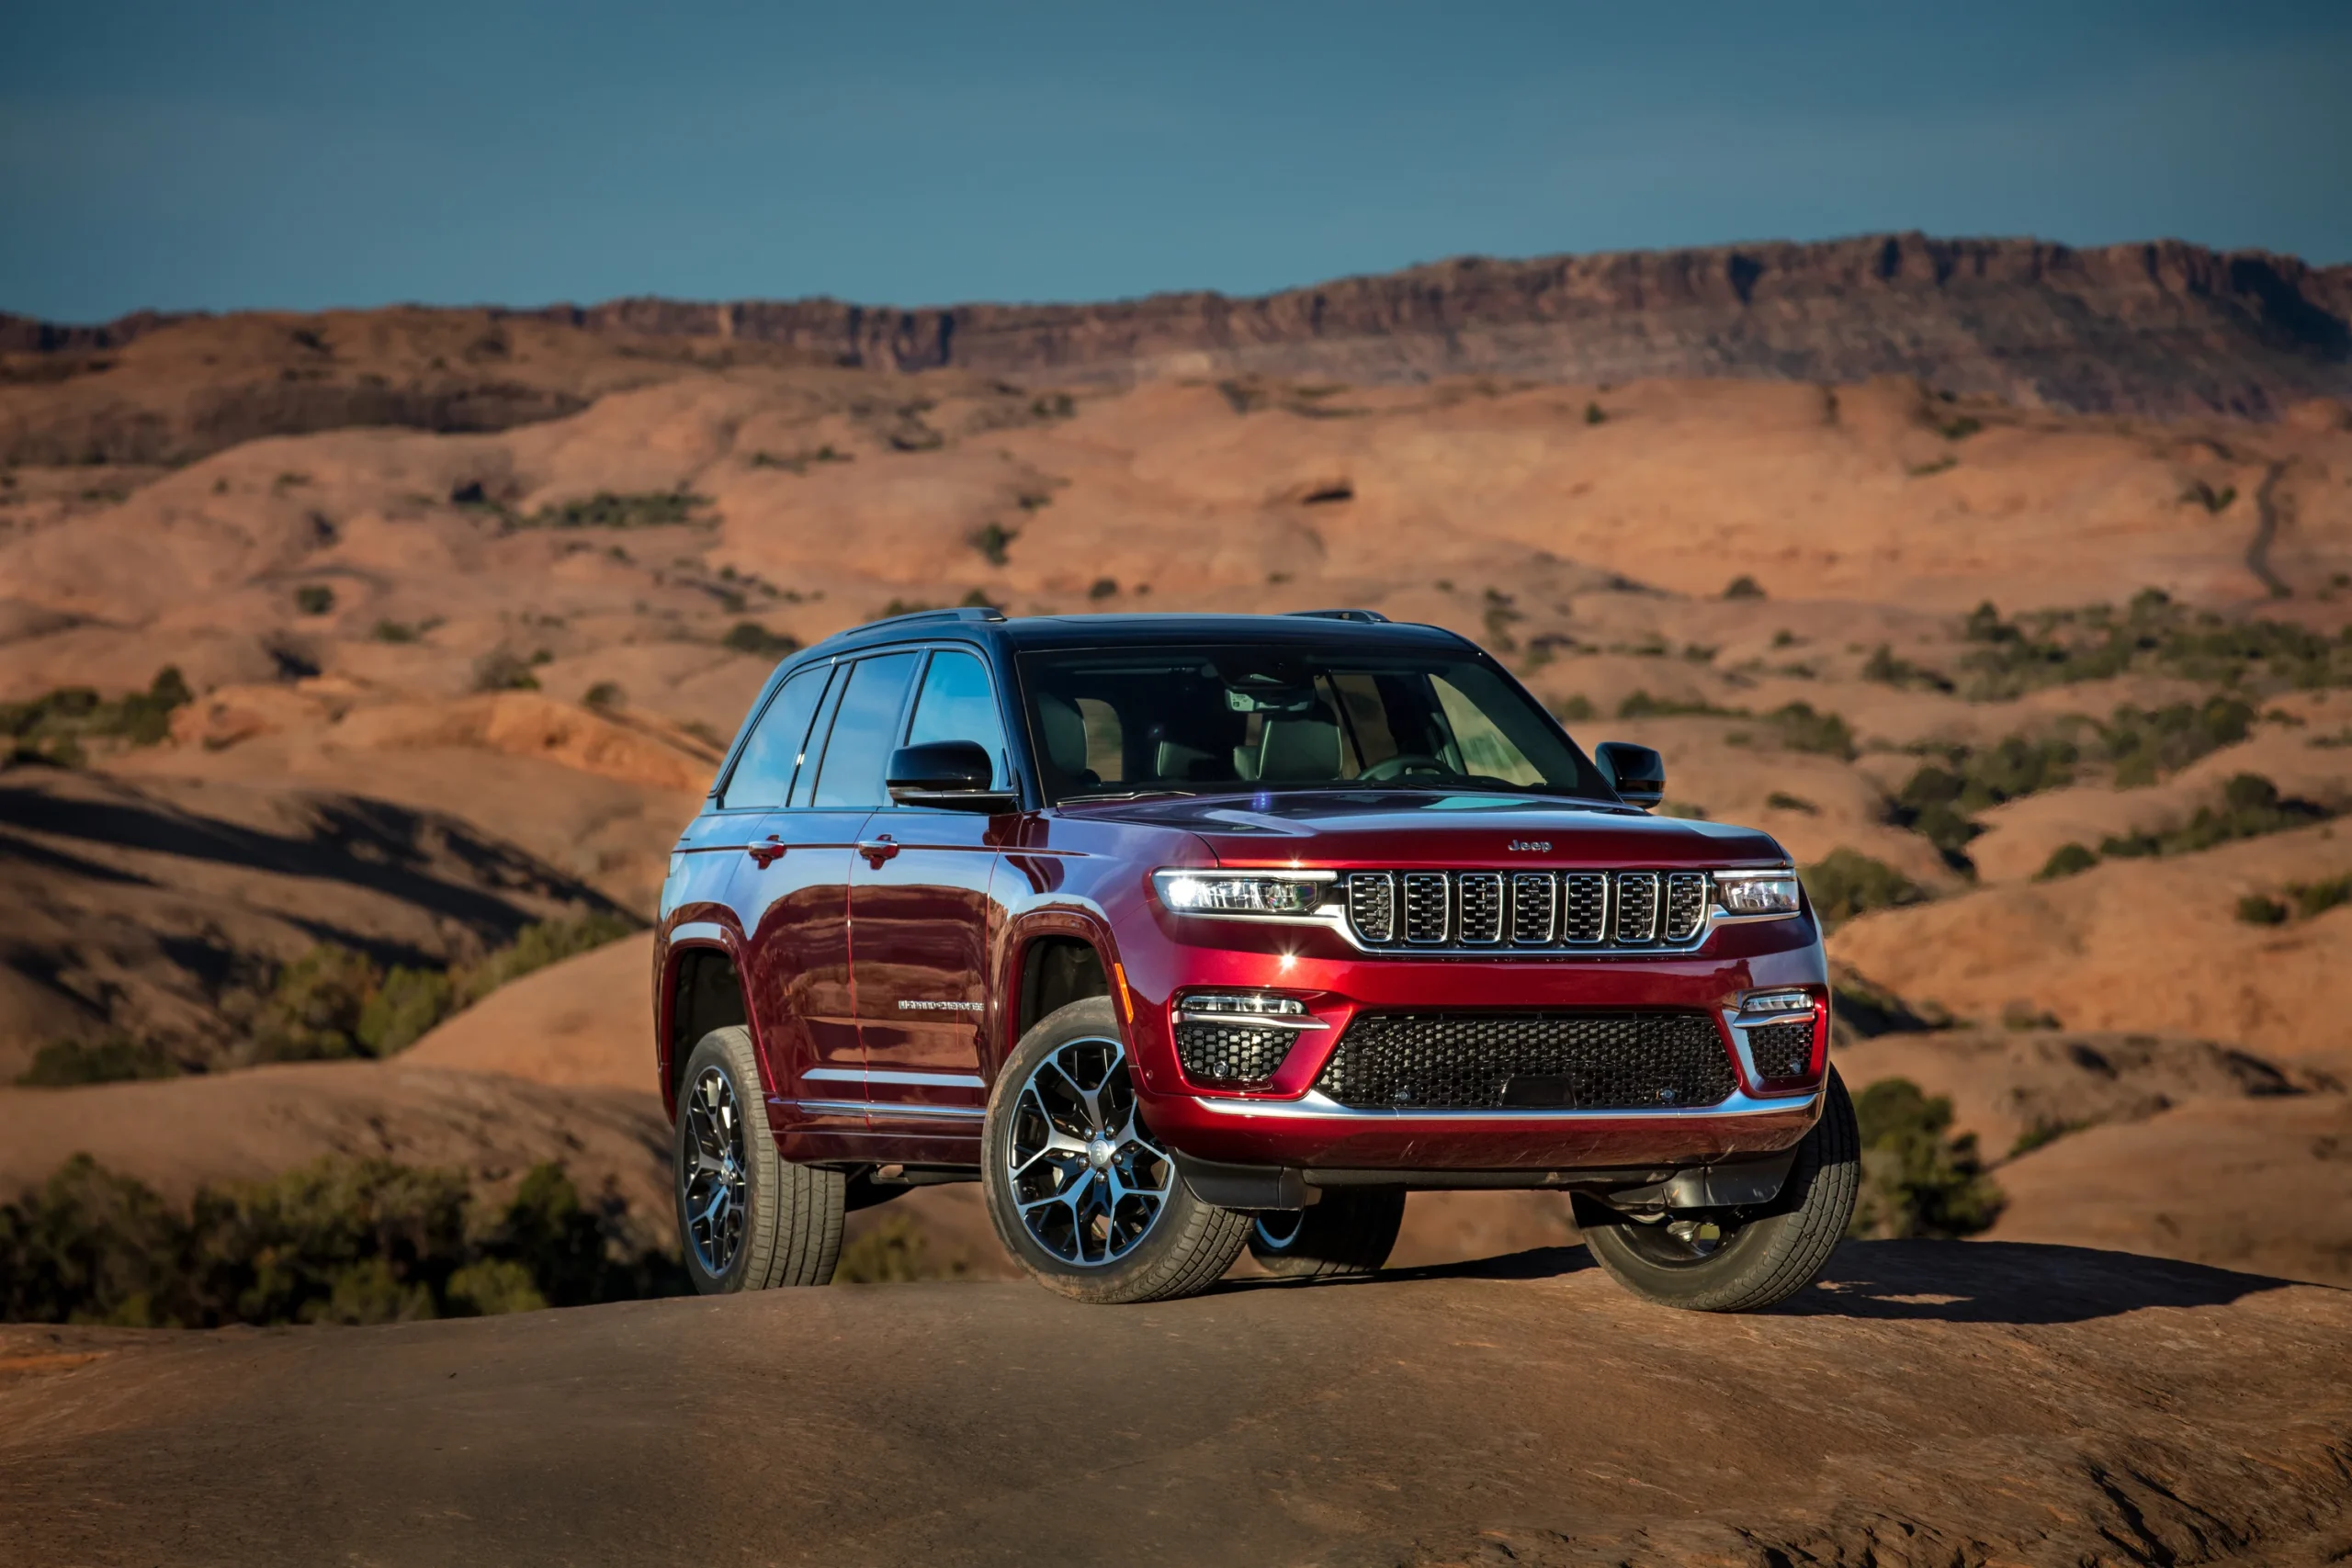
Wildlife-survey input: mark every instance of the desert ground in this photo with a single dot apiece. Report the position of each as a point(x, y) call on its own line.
point(440, 686)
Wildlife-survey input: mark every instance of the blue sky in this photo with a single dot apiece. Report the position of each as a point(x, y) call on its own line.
point(320, 153)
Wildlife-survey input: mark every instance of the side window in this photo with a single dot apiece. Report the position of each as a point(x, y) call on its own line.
point(957, 704)
point(764, 772)
point(865, 727)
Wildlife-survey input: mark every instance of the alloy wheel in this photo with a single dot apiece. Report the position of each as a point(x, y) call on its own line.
point(1088, 1179)
point(714, 1181)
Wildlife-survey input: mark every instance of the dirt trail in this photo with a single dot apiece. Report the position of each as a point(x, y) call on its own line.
point(1928, 1403)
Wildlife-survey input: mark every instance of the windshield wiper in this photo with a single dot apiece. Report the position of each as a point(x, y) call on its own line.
point(1128, 794)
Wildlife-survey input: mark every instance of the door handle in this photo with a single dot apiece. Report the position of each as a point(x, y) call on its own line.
point(876, 850)
point(767, 853)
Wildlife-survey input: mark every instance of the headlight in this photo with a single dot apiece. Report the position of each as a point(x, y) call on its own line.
point(1267, 893)
point(1758, 893)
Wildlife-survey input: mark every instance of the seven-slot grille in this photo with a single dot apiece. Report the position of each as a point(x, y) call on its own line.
point(1575, 1061)
point(1526, 908)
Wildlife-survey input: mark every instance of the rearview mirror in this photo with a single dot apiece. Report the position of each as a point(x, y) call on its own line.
point(1635, 772)
point(954, 775)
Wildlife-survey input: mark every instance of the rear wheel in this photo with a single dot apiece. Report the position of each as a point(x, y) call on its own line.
point(1741, 1260)
point(748, 1218)
point(1080, 1191)
point(1351, 1232)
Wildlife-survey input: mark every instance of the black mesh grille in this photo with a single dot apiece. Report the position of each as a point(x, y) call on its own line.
point(1586, 896)
point(1372, 904)
point(1636, 905)
point(1532, 893)
point(1426, 898)
point(1481, 905)
point(1781, 1050)
point(1554, 1061)
point(1686, 904)
point(1232, 1052)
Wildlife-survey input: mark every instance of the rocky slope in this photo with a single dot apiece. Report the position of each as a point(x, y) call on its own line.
point(1924, 1404)
point(2165, 328)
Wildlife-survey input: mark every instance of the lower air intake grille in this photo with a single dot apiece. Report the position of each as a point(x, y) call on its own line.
point(1465, 1061)
point(1781, 1050)
point(1232, 1052)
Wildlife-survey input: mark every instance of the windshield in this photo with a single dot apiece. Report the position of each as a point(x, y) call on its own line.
point(1202, 720)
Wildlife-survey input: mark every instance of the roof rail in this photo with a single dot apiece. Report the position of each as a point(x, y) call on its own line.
point(961, 613)
point(1369, 617)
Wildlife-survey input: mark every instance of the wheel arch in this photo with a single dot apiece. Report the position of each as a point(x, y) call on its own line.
point(701, 989)
point(1053, 961)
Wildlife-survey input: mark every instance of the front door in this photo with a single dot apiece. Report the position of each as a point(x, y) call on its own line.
point(922, 924)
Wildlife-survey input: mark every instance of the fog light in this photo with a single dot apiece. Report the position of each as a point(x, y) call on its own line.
point(1244, 1004)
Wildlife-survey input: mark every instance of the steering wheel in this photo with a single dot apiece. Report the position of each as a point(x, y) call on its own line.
point(1402, 764)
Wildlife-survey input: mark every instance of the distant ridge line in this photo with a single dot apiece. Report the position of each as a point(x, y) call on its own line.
point(2164, 327)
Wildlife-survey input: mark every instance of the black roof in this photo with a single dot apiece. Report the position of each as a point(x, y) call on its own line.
point(1025, 632)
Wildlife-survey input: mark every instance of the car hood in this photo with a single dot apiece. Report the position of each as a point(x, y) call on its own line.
point(1409, 827)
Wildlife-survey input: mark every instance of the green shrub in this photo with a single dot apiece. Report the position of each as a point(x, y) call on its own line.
point(1102, 588)
point(1883, 667)
point(993, 540)
point(1846, 883)
point(749, 636)
point(113, 1058)
point(2143, 744)
point(2152, 634)
point(1802, 729)
point(2042, 1134)
point(54, 724)
point(1938, 802)
point(1781, 800)
point(1595, 414)
point(2200, 493)
point(2318, 898)
point(337, 1241)
point(894, 1252)
point(605, 695)
point(1917, 1180)
point(312, 1010)
point(501, 671)
point(1574, 709)
point(394, 631)
point(402, 1010)
point(608, 509)
point(800, 462)
point(2257, 909)
point(314, 599)
point(2066, 860)
point(1742, 587)
point(1641, 704)
point(2251, 807)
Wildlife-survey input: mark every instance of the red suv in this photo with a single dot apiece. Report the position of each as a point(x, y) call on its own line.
point(1186, 933)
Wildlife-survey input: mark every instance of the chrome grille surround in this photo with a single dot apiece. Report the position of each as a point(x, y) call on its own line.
point(1554, 913)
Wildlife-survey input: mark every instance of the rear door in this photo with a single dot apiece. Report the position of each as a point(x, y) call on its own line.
point(921, 922)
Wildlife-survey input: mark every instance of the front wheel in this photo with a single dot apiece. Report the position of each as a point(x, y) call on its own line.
point(1730, 1260)
point(1349, 1234)
point(1080, 1191)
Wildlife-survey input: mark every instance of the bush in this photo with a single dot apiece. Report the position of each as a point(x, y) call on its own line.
point(605, 695)
point(993, 540)
point(114, 1058)
point(608, 509)
point(749, 636)
point(2256, 909)
point(1781, 800)
point(1103, 588)
point(314, 599)
point(2095, 642)
point(2251, 806)
point(2146, 743)
point(312, 1011)
point(1882, 666)
point(1742, 587)
point(1847, 882)
point(53, 726)
point(394, 631)
point(1802, 729)
point(337, 1241)
point(503, 670)
point(1917, 1180)
point(1938, 802)
point(1641, 704)
point(2310, 899)
point(2066, 860)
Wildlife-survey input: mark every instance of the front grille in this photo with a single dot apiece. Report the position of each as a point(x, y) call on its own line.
point(1781, 1050)
point(1592, 1061)
point(1527, 908)
point(1232, 1052)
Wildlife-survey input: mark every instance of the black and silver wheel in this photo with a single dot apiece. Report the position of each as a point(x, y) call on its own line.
point(1078, 1187)
point(1736, 1259)
point(1351, 1232)
point(748, 1218)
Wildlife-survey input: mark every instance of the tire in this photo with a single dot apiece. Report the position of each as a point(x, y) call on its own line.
point(1757, 1260)
point(748, 1218)
point(1107, 1219)
point(1349, 1234)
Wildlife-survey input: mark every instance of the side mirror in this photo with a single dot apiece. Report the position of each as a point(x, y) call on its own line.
point(1635, 772)
point(951, 775)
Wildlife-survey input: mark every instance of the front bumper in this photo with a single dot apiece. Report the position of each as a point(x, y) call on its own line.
point(1287, 1123)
